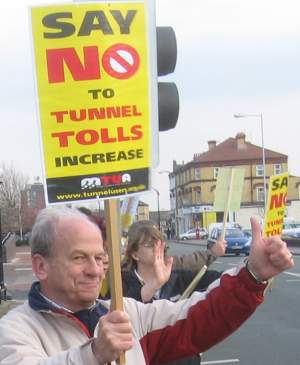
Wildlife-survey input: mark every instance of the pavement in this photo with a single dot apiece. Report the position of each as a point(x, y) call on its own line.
point(295, 250)
point(18, 275)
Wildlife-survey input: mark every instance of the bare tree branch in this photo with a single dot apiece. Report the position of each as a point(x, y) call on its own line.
point(12, 182)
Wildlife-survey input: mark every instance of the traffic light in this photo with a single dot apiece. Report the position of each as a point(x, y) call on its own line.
point(168, 98)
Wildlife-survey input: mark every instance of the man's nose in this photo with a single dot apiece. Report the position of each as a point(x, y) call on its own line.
point(95, 267)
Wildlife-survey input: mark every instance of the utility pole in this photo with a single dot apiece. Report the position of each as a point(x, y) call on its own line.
point(158, 210)
point(2, 285)
point(172, 178)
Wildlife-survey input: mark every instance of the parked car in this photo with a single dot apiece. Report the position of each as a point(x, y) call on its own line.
point(291, 229)
point(191, 234)
point(247, 232)
point(237, 242)
point(220, 226)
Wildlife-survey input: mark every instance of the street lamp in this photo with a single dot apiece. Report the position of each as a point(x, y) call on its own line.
point(260, 116)
point(2, 285)
point(176, 203)
point(158, 211)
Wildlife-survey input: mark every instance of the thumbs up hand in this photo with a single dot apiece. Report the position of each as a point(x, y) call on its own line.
point(268, 256)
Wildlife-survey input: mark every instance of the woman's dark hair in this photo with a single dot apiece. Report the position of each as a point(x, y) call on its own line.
point(96, 219)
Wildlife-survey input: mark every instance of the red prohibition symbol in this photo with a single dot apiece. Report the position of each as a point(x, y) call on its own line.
point(121, 61)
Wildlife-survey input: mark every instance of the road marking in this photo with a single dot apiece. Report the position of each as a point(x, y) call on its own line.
point(292, 280)
point(23, 253)
point(23, 269)
point(229, 361)
point(292, 274)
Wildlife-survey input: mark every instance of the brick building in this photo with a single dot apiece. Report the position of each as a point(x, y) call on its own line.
point(192, 184)
point(32, 201)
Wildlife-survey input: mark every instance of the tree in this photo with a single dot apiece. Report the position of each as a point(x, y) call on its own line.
point(12, 181)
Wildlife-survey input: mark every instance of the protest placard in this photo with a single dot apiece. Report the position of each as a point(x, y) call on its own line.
point(97, 100)
point(277, 195)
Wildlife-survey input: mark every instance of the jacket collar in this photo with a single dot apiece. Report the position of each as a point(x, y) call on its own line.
point(39, 302)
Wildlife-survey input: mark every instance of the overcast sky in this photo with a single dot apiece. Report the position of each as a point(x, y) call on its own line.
point(233, 57)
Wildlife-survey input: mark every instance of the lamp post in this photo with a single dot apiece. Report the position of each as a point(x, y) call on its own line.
point(2, 285)
point(260, 116)
point(1, 259)
point(158, 211)
point(176, 203)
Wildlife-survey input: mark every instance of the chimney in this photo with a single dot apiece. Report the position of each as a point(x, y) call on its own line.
point(211, 144)
point(240, 141)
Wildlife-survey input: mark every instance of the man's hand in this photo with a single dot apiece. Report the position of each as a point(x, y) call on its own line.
point(219, 248)
point(114, 337)
point(268, 256)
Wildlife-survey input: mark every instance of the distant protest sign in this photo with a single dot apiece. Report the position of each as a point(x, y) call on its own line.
point(277, 195)
point(228, 194)
point(229, 189)
point(93, 75)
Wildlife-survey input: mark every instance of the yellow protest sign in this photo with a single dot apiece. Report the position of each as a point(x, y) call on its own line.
point(93, 74)
point(229, 189)
point(128, 211)
point(277, 195)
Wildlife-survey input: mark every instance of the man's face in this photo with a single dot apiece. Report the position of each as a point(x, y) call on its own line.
point(74, 273)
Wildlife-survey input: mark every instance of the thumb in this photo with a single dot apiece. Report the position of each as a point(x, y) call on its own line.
point(256, 230)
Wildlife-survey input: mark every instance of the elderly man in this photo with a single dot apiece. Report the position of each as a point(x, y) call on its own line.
point(63, 323)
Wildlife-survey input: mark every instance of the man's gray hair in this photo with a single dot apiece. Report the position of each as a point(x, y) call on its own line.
point(44, 231)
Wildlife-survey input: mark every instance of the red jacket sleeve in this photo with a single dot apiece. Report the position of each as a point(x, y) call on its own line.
point(225, 308)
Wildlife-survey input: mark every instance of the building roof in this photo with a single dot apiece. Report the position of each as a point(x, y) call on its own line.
point(142, 204)
point(34, 187)
point(236, 149)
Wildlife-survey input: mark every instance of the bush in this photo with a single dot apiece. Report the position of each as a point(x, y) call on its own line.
point(23, 242)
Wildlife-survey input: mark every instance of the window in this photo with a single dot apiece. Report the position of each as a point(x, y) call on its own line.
point(259, 170)
point(186, 176)
point(260, 196)
point(198, 196)
point(31, 196)
point(197, 173)
point(216, 171)
point(28, 197)
point(277, 169)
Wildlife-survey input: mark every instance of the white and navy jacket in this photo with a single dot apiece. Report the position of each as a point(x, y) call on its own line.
point(37, 333)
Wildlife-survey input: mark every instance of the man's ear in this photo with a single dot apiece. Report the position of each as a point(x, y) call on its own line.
point(40, 266)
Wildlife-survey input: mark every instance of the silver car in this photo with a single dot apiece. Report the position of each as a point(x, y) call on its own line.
point(191, 234)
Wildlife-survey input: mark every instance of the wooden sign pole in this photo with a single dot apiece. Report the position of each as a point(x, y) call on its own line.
point(112, 221)
point(188, 291)
point(227, 204)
